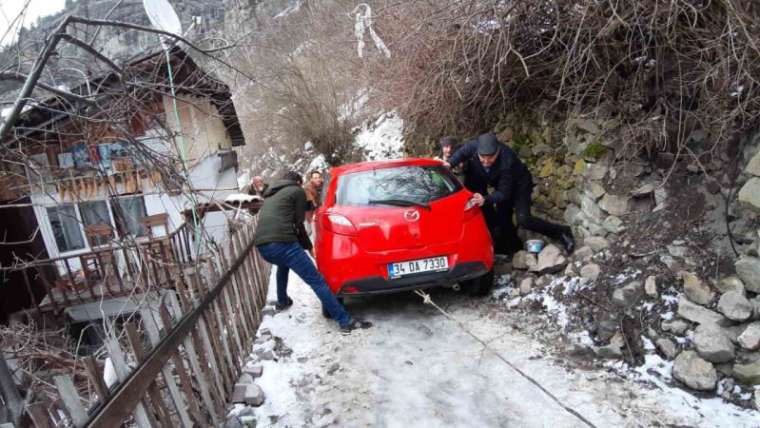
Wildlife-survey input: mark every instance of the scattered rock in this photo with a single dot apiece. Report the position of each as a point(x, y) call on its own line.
point(730, 283)
point(591, 271)
point(748, 269)
point(591, 209)
point(643, 190)
point(231, 422)
point(595, 190)
point(695, 372)
point(712, 344)
point(747, 373)
point(628, 295)
point(551, 260)
point(520, 260)
point(583, 253)
point(667, 347)
point(650, 286)
point(264, 355)
point(526, 285)
point(676, 326)
point(735, 306)
point(253, 371)
point(571, 214)
point(615, 205)
point(750, 192)
point(753, 167)
point(698, 314)
point(678, 251)
point(245, 378)
point(750, 338)
point(614, 349)
point(248, 394)
point(268, 310)
point(570, 270)
point(334, 367)
point(613, 224)
point(696, 290)
point(597, 243)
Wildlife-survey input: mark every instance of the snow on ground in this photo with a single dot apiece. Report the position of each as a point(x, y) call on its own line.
point(416, 368)
point(383, 138)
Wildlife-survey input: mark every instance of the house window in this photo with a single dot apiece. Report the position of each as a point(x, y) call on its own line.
point(65, 225)
point(128, 212)
point(97, 222)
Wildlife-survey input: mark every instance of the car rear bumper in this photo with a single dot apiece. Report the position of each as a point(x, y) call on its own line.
point(379, 285)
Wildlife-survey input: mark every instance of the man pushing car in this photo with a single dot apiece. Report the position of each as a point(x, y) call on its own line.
point(502, 184)
point(281, 240)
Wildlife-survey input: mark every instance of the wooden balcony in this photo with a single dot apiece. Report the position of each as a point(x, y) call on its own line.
point(111, 273)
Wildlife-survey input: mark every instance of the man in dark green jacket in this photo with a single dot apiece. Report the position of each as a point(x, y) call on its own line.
point(281, 240)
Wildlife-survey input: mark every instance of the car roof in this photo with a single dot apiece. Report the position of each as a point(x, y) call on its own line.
point(368, 166)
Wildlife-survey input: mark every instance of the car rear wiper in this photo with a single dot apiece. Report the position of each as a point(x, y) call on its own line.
point(399, 203)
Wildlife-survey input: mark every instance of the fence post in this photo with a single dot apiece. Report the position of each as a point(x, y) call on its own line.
point(11, 396)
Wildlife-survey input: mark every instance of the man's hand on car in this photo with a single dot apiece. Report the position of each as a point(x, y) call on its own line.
point(478, 199)
point(446, 164)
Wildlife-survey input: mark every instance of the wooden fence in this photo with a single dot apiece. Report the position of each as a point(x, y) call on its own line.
point(187, 350)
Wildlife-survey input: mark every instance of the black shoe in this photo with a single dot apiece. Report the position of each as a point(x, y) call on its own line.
point(355, 325)
point(568, 241)
point(282, 306)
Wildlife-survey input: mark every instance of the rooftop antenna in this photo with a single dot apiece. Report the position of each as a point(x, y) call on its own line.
point(163, 17)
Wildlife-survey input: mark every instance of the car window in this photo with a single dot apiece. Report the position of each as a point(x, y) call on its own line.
point(418, 184)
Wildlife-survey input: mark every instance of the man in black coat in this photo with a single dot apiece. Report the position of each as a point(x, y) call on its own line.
point(502, 184)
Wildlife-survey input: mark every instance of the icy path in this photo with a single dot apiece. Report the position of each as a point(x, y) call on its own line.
point(415, 368)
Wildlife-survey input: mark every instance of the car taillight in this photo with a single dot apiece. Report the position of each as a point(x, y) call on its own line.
point(340, 224)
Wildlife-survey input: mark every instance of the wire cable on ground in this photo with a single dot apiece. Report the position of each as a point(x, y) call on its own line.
point(428, 301)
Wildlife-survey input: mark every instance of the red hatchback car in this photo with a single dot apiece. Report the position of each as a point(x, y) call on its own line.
point(400, 225)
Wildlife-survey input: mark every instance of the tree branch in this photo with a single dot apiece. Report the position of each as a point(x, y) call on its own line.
point(10, 75)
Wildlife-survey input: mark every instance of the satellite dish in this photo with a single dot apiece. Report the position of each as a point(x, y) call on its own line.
point(163, 17)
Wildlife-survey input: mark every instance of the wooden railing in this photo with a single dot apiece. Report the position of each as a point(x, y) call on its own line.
point(199, 334)
point(109, 271)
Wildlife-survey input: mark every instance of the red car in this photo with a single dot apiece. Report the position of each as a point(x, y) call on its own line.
point(400, 225)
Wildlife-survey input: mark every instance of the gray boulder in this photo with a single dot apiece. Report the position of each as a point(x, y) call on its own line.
point(698, 314)
point(750, 338)
point(591, 271)
point(248, 394)
point(526, 285)
point(597, 243)
point(595, 190)
point(614, 349)
point(748, 269)
point(591, 209)
point(750, 193)
point(615, 205)
point(735, 306)
point(613, 224)
point(677, 327)
point(650, 286)
point(695, 289)
point(551, 260)
point(695, 372)
point(667, 347)
point(628, 295)
point(730, 283)
point(713, 344)
point(747, 373)
point(520, 259)
point(583, 253)
point(753, 167)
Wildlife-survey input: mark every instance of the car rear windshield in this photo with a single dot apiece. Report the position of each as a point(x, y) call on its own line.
point(396, 186)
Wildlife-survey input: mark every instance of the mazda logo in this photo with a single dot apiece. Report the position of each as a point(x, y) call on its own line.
point(411, 215)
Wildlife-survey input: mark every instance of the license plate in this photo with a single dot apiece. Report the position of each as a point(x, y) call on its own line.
point(432, 264)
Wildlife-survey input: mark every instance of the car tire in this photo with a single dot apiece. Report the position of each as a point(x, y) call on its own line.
point(479, 286)
point(327, 314)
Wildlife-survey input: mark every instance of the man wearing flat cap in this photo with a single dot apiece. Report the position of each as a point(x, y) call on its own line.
point(502, 184)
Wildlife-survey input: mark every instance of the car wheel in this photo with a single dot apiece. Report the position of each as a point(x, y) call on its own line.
point(480, 286)
point(327, 314)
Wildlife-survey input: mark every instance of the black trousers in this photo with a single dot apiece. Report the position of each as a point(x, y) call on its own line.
point(502, 227)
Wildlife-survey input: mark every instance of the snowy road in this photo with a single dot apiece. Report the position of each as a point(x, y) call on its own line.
point(416, 368)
